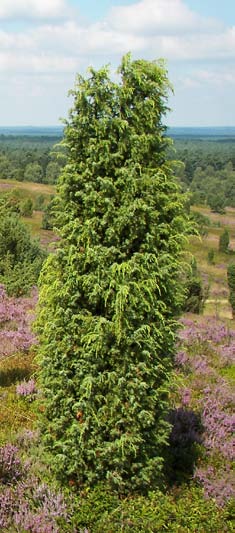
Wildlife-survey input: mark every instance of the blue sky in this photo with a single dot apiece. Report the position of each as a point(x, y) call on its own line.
point(44, 43)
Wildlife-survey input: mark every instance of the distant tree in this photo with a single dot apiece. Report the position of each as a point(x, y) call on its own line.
point(202, 222)
point(195, 292)
point(33, 172)
point(110, 295)
point(26, 207)
point(21, 257)
point(52, 172)
point(231, 285)
point(5, 167)
point(224, 242)
point(48, 215)
point(217, 203)
point(211, 256)
point(39, 202)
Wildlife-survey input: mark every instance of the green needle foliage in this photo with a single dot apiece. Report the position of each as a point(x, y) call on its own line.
point(110, 296)
point(224, 242)
point(21, 257)
point(231, 285)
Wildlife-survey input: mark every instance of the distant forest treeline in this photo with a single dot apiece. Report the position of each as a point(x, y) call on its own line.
point(207, 159)
point(31, 158)
point(207, 170)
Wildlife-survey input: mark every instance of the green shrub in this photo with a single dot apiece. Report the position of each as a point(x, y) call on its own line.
point(224, 242)
point(100, 511)
point(39, 202)
point(48, 215)
point(26, 207)
point(21, 257)
point(231, 285)
point(211, 256)
point(196, 293)
point(202, 222)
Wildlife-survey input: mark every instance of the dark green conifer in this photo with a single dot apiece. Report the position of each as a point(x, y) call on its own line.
point(110, 296)
point(231, 286)
point(224, 242)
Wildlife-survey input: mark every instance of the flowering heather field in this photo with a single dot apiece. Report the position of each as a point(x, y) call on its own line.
point(16, 315)
point(206, 359)
point(202, 418)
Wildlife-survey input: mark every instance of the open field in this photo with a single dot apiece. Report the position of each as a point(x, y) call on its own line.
point(29, 187)
point(33, 191)
point(215, 275)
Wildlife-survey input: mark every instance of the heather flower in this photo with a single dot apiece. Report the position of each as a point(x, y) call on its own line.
point(220, 486)
point(16, 315)
point(31, 506)
point(10, 464)
point(181, 358)
point(204, 347)
point(227, 353)
point(27, 388)
point(185, 396)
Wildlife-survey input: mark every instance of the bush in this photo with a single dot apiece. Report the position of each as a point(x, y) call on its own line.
point(196, 294)
point(224, 242)
point(202, 222)
point(21, 257)
point(211, 256)
point(48, 215)
point(231, 285)
point(26, 207)
point(99, 511)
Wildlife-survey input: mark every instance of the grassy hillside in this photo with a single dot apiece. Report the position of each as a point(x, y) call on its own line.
point(31, 190)
point(215, 275)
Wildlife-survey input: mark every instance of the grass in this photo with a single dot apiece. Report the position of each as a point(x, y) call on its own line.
point(29, 188)
point(14, 413)
point(32, 190)
point(34, 223)
point(215, 275)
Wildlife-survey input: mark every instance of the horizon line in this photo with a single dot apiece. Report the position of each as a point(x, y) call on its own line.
point(62, 126)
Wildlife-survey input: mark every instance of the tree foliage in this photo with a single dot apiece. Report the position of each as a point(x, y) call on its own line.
point(196, 294)
point(224, 242)
point(231, 285)
point(110, 296)
point(21, 257)
point(31, 158)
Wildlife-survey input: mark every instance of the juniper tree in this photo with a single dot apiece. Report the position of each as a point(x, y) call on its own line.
point(224, 242)
point(110, 295)
point(231, 286)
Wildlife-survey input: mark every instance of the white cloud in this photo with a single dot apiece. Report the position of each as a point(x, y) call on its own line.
point(71, 42)
point(149, 28)
point(207, 46)
point(49, 53)
point(29, 9)
point(159, 17)
point(37, 63)
point(214, 78)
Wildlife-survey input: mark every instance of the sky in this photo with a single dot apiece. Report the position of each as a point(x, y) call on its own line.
point(45, 43)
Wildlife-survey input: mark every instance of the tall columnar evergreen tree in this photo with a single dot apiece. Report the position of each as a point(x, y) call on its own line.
point(231, 286)
point(224, 242)
point(110, 295)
